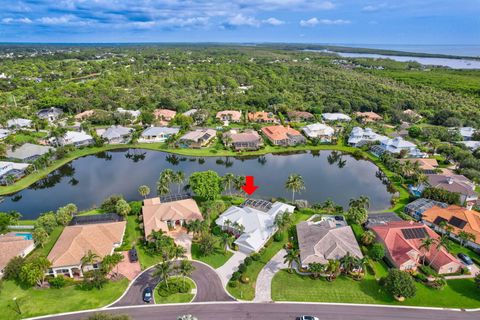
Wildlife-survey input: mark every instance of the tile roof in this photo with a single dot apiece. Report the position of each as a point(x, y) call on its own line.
point(12, 246)
point(471, 218)
point(156, 214)
point(115, 132)
point(425, 164)
point(246, 136)
point(318, 242)
point(234, 115)
point(155, 131)
point(164, 114)
point(261, 116)
point(75, 241)
point(299, 114)
point(85, 114)
point(279, 132)
point(453, 183)
point(28, 150)
point(369, 116)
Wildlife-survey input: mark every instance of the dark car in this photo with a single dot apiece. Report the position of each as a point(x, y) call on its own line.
point(147, 294)
point(466, 259)
point(307, 318)
point(132, 255)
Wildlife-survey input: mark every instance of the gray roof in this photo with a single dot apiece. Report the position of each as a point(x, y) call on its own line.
point(45, 113)
point(116, 132)
point(454, 183)
point(375, 219)
point(319, 243)
point(28, 150)
point(155, 131)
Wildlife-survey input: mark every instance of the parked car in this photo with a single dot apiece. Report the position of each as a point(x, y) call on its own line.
point(307, 318)
point(132, 255)
point(147, 294)
point(466, 259)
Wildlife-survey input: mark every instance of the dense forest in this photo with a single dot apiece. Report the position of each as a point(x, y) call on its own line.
point(221, 77)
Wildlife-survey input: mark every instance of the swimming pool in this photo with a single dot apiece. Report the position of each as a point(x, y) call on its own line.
point(25, 235)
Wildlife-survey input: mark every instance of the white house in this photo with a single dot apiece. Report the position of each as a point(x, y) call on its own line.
point(117, 134)
point(319, 131)
point(4, 133)
point(472, 145)
point(19, 123)
point(335, 117)
point(398, 144)
point(359, 137)
point(15, 169)
point(157, 134)
point(78, 139)
point(254, 220)
point(134, 113)
point(467, 133)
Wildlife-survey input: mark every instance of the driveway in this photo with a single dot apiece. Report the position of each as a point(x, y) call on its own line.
point(225, 272)
point(128, 269)
point(263, 286)
point(209, 286)
point(182, 238)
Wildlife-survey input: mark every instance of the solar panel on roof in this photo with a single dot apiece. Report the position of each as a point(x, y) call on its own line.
point(414, 233)
point(175, 197)
point(457, 222)
point(257, 204)
point(439, 220)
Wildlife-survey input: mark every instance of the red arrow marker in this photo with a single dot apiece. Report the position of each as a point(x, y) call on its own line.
point(249, 186)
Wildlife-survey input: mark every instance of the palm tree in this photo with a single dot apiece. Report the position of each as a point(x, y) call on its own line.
point(440, 244)
point(228, 180)
point(368, 237)
point(178, 252)
point(163, 271)
point(89, 258)
point(144, 191)
point(333, 267)
point(178, 178)
point(186, 268)
point(239, 182)
point(226, 241)
point(348, 262)
point(425, 247)
point(295, 183)
point(466, 236)
point(291, 257)
point(195, 227)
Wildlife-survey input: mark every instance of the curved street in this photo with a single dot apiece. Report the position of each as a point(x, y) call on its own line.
point(278, 311)
point(209, 286)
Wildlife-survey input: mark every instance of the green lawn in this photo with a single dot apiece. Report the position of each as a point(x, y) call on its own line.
point(215, 260)
point(52, 239)
point(293, 287)
point(455, 248)
point(36, 302)
point(247, 291)
point(177, 297)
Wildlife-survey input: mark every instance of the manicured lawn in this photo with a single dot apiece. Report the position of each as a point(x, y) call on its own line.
point(460, 293)
point(215, 260)
point(455, 248)
point(177, 297)
point(52, 239)
point(35, 302)
point(247, 291)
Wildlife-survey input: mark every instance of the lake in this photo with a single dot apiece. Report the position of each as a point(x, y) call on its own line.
point(443, 62)
point(89, 180)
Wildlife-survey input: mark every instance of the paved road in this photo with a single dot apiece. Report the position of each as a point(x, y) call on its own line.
point(209, 286)
point(244, 311)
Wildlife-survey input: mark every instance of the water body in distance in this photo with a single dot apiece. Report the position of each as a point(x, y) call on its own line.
point(89, 180)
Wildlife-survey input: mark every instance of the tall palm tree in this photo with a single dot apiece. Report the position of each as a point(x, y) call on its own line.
point(228, 181)
point(178, 178)
point(291, 257)
point(226, 241)
point(186, 268)
point(348, 262)
point(294, 183)
point(440, 244)
point(178, 252)
point(333, 267)
point(427, 243)
point(144, 191)
point(89, 258)
point(163, 271)
point(466, 236)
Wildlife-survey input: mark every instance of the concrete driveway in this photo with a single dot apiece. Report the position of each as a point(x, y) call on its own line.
point(182, 238)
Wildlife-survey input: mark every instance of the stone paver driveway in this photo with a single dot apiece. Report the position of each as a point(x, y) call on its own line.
point(128, 269)
point(263, 286)
point(182, 238)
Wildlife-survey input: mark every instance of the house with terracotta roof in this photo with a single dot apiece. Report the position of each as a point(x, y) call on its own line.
point(84, 115)
point(197, 138)
point(428, 166)
point(458, 218)
point(283, 136)
point(369, 116)
point(243, 140)
point(11, 246)
point(262, 116)
point(77, 240)
point(166, 216)
point(300, 116)
point(412, 114)
point(403, 247)
point(322, 241)
point(229, 116)
point(164, 115)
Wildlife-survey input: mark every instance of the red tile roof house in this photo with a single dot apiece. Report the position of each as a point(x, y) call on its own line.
point(229, 115)
point(12, 246)
point(246, 140)
point(402, 241)
point(300, 116)
point(262, 116)
point(164, 115)
point(283, 136)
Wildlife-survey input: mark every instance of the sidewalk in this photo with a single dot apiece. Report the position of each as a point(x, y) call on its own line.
point(225, 272)
point(263, 287)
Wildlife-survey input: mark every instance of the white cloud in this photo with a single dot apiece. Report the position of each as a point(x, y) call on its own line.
point(273, 21)
point(374, 7)
point(16, 20)
point(314, 21)
point(241, 20)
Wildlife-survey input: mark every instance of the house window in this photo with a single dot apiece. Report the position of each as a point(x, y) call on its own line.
point(95, 266)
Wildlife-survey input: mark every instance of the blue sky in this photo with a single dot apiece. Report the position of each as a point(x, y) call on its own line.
point(332, 21)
